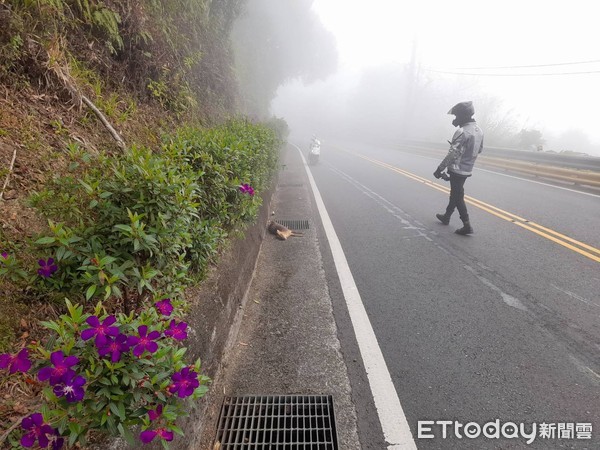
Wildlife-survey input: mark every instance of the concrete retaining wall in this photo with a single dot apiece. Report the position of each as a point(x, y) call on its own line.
point(212, 318)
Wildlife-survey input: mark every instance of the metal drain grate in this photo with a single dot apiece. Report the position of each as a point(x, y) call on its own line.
point(294, 224)
point(277, 423)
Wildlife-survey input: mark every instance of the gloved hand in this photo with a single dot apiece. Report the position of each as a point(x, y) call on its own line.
point(437, 173)
point(445, 176)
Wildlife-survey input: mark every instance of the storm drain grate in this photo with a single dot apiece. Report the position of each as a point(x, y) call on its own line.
point(294, 224)
point(277, 422)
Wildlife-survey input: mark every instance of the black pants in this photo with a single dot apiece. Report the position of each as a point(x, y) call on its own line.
point(457, 197)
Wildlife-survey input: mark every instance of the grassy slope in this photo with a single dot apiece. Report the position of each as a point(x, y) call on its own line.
point(142, 85)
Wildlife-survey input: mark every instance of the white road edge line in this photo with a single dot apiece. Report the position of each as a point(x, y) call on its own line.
point(391, 415)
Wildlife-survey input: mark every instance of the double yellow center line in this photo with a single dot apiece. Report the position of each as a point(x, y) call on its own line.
point(572, 244)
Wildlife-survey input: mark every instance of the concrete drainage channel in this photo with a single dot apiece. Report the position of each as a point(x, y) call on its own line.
point(290, 422)
point(294, 224)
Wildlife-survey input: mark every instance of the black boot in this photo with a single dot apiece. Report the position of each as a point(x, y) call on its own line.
point(466, 229)
point(443, 218)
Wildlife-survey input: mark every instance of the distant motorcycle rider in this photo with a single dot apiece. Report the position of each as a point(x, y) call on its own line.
point(315, 141)
point(465, 146)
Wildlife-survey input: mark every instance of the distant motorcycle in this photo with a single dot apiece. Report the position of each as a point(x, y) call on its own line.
point(314, 152)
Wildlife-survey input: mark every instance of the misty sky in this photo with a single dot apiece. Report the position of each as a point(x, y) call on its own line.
point(475, 34)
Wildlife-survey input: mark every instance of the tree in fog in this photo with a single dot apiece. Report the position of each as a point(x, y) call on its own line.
point(276, 41)
point(530, 139)
point(499, 125)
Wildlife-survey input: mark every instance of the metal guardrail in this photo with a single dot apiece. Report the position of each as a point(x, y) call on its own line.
point(581, 177)
point(573, 169)
point(591, 163)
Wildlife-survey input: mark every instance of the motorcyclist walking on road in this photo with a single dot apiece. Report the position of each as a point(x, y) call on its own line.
point(465, 146)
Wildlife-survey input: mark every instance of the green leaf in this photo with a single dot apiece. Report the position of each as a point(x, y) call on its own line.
point(60, 253)
point(122, 413)
point(87, 187)
point(122, 227)
point(159, 377)
point(176, 429)
point(115, 410)
point(51, 325)
point(72, 438)
point(111, 425)
point(45, 240)
point(126, 433)
point(90, 292)
point(75, 430)
point(179, 354)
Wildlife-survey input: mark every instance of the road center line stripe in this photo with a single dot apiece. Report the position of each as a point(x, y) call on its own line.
point(391, 415)
point(554, 236)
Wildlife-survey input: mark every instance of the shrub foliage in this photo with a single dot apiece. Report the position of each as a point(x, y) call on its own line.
point(131, 229)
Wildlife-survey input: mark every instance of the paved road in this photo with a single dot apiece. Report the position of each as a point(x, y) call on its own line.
point(504, 324)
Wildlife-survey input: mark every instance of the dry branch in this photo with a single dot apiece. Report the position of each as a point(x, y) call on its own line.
point(10, 429)
point(61, 72)
point(10, 169)
point(103, 119)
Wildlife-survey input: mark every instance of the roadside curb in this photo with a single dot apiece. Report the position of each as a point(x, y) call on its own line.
point(287, 344)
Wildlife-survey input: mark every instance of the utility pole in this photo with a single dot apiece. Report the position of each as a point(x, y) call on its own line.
point(411, 77)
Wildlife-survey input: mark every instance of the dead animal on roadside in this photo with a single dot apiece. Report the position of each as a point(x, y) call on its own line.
point(280, 231)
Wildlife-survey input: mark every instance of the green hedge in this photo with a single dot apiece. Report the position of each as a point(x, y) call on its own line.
point(144, 224)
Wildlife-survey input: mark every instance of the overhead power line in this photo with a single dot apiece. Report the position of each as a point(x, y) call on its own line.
point(529, 66)
point(477, 74)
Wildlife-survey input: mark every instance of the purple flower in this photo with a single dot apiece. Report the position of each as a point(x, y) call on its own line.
point(164, 307)
point(72, 389)
point(184, 382)
point(38, 430)
point(56, 441)
point(100, 330)
point(61, 372)
point(143, 342)
point(47, 268)
point(247, 189)
point(148, 435)
point(155, 413)
point(16, 363)
point(177, 330)
point(4, 255)
point(115, 347)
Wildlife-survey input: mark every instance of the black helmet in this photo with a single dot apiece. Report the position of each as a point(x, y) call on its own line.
point(463, 109)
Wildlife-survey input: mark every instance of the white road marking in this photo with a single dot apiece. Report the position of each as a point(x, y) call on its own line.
point(391, 415)
point(575, 296)
point(394, 210)
point(506, 298)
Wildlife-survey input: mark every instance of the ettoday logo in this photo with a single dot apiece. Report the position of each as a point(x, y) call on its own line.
point(430, 429)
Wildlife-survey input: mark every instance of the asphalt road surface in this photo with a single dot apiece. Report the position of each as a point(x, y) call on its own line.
point(501, 325)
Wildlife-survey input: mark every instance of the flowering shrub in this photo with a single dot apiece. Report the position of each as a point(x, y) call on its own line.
point(109, 373)
point(134, 226)
point(143, 222)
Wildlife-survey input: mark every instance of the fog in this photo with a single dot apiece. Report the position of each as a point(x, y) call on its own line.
point(401, 68)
